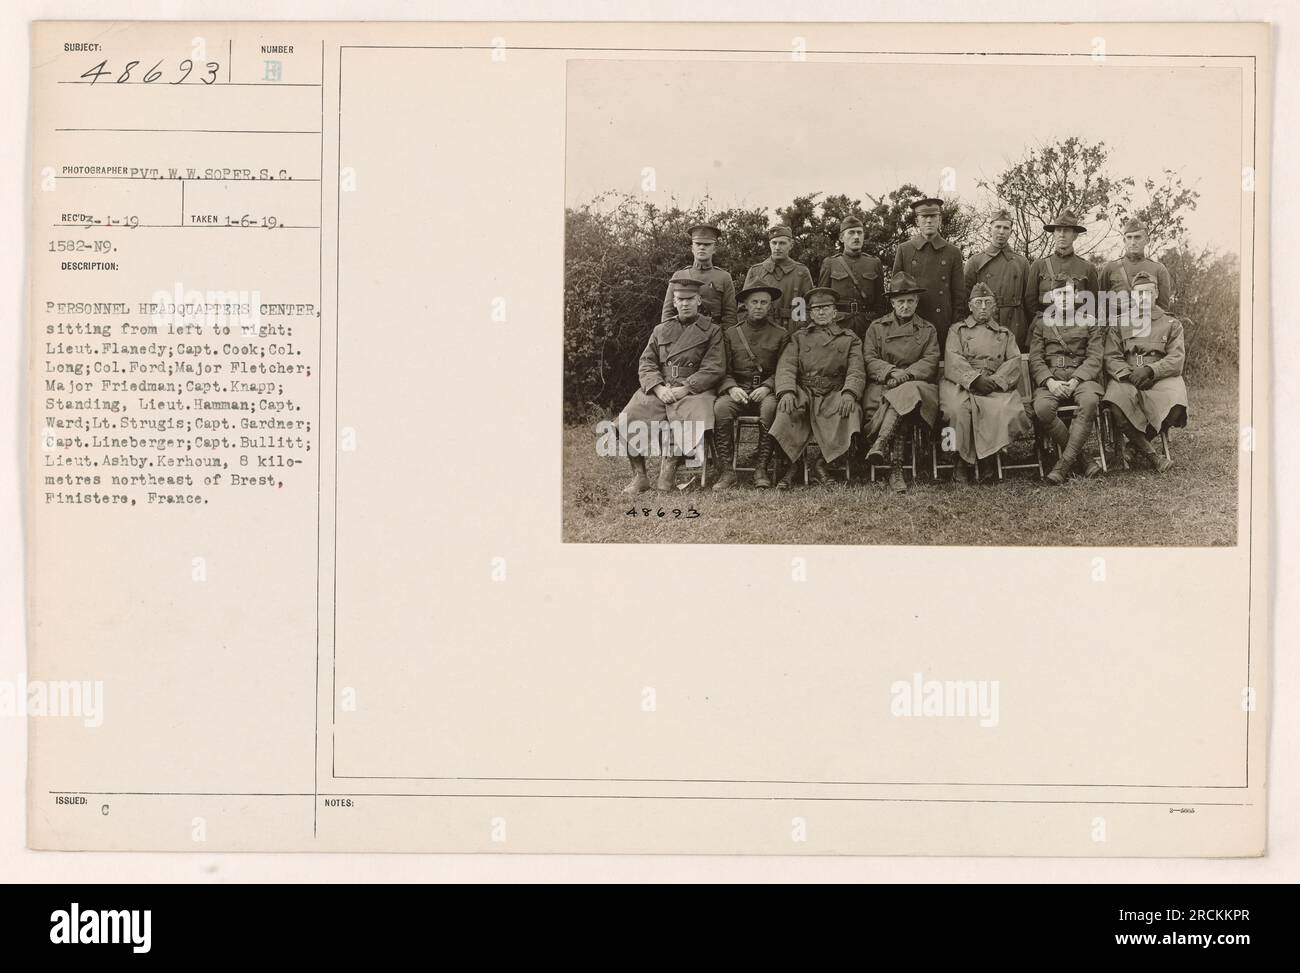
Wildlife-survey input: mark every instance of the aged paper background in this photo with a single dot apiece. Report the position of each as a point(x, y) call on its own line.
point(477, 692)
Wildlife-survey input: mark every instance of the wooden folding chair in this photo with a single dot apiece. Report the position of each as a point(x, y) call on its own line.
point(1026, 389)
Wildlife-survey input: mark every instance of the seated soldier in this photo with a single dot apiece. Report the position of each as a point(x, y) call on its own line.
point(980, 394)
point(819, 380)
point(1065, 353)
point(902, 357)
point(749, 388)
point(1144, 359)
point(682, 364)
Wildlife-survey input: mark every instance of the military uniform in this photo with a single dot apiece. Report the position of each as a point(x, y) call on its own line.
point(936, 265)
point(1004, 271)
point(859, 286)
point(1118, 275)
point(788, 276)
point(1067, 345)
point(717, 296)
point(818, 365)
point(911, 346)
point(982, 424)
point(1046, 271)
point(753, 349)
point(1150, 411)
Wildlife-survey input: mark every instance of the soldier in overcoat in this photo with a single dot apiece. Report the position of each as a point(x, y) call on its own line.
point(1144, 360)
point(1003, 269)
point(682, 364)
point(749, 387)
point(936, 266)
point(819, 382)
point(902, 358)
point(979, 393)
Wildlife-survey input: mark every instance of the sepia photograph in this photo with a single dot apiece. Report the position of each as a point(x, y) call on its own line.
point(923, 303)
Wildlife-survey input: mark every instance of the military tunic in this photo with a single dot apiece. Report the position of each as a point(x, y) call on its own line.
point(912, 346)
point(1117, 275)
point(818, 364)
point(859, 286)
point(1065, 347)
point(1042, 278)
point(752, 354)
point(717, 296)
point(678, 354)
point(937, 266)
point(1004, 271)
point(1161, 349)
point(982, 424)
point(792, 278)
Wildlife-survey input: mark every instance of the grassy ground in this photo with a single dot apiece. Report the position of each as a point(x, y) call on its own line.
point(1194, 504)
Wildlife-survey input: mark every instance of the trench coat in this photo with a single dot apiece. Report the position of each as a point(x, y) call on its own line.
point(912, 346)
point(792, 278)
point(678, 354)
point(859, 286)
point(717, 296)
point(817, 366)
point(937, 266)
point(982, 425)
point(1162, 349)
point(1004, 271)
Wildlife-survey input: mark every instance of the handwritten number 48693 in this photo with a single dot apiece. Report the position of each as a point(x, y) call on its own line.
point(153, 74)
point(690, 513)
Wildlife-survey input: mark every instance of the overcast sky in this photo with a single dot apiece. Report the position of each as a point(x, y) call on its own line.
point(758, 133)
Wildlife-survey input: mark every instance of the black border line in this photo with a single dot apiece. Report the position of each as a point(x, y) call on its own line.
point(1250, 517)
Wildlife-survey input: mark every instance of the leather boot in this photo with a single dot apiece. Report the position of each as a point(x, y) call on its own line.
point(725, 445)
point(761, 480)
point(791, 471)
point(896, 481)
point(821, 473)
point(884, 441)
point(1143, 447)
point(1077, 436)
point(961, 472)
point(668, 473)
point(640, 482)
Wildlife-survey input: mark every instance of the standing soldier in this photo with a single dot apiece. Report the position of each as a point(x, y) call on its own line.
point(1004, 270)
point(980, 393)
point(1062, 261)
point(1066, 345)
point(718, 294)
point(682, 363)
point(1144, 358)
point(902, 357)
point(819, 383)
point(1119, 275)
point(784, 273)
point(749, 388)
point(857, 278)
point(936, 266)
